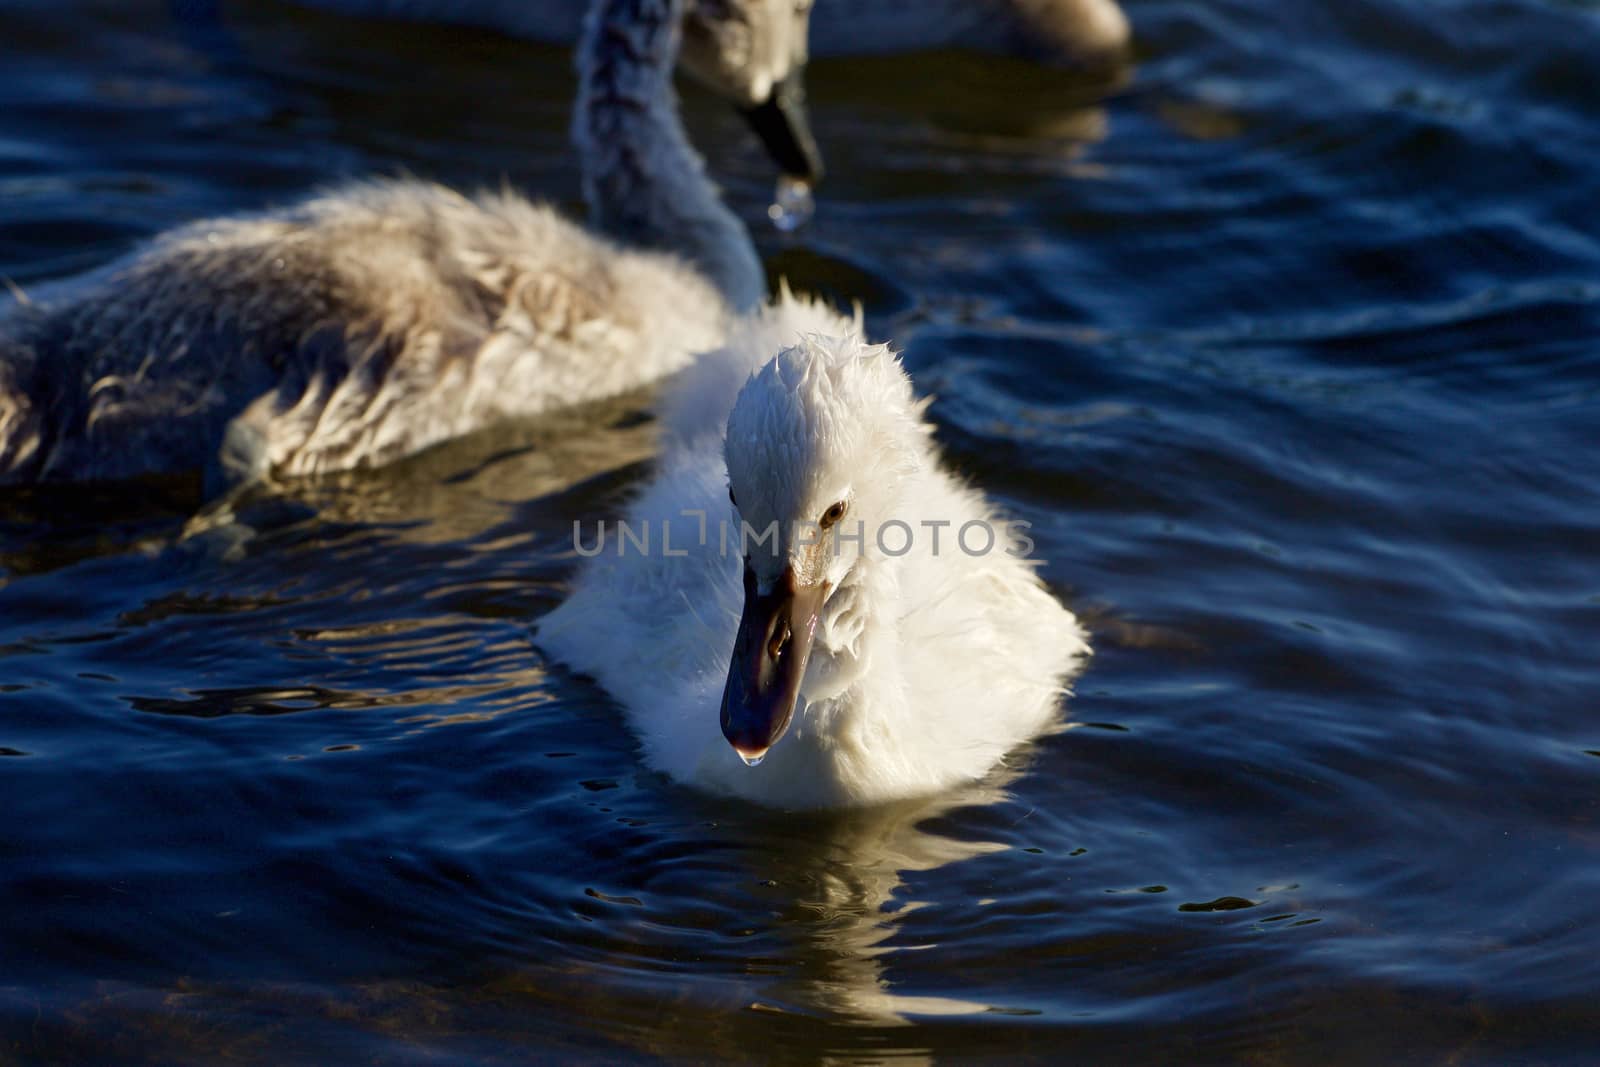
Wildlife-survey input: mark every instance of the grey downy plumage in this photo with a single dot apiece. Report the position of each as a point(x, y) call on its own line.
point(373, 320)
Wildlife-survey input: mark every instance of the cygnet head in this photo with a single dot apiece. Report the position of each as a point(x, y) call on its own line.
point(753, 53)
point(821, 444)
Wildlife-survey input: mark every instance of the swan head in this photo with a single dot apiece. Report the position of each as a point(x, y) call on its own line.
point(820, 446)
point(753, 53)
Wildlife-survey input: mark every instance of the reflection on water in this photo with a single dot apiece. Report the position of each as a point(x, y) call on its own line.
point(833, 889)
point(1283, 341)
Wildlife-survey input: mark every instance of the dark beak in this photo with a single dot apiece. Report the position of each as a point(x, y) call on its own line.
point(769, 659)
point(785, 128)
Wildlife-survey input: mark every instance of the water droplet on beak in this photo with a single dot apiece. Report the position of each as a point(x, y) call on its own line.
point(792, 205)
point(753, 761)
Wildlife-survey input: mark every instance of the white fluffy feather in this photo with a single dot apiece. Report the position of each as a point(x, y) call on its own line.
point(927, 667)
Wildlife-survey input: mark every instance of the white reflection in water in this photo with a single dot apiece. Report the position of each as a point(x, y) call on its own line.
point(857, 869)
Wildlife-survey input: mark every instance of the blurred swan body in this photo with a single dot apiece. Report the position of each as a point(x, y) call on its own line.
point(374, 320)
point(892, 675)
point(1084, 32)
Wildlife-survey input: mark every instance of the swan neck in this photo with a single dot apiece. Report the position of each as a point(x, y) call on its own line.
point(643, 181)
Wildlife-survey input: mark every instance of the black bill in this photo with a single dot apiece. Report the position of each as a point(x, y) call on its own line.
point(784, 126)
point(769, 659)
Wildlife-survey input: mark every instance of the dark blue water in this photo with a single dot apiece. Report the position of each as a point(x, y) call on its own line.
point(1289, 347)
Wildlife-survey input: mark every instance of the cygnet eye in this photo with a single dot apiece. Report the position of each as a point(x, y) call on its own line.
point(833, 514)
